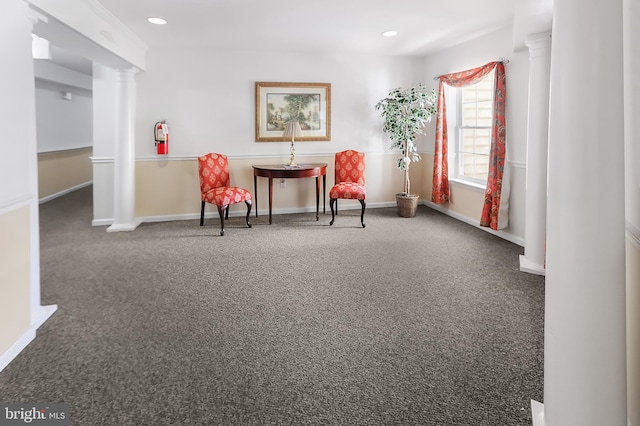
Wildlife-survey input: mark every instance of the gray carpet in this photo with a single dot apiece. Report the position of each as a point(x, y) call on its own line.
point(422, 321)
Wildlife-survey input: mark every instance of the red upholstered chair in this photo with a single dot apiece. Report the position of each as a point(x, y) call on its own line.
point(215, 188)
point(349, 181)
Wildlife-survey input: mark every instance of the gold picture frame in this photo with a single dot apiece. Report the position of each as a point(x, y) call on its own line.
point(307, 103)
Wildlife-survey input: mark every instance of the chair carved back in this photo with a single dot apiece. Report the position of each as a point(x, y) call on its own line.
point(213, 169)
point(350, 167)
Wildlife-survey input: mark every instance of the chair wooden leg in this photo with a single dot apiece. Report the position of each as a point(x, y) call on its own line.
point(362, 214)
point(221, 212)
point(202, 214)
point(248, 203)
point(332, 201)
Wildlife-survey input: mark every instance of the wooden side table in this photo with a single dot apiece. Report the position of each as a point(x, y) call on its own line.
point(281, 171)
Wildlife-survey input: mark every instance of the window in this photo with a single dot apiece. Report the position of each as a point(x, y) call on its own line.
point(470, 130)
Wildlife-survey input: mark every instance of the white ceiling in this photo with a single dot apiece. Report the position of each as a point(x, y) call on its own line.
point(341, 26)
point(335, 26)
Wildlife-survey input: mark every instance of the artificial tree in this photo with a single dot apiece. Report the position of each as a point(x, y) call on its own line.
point(406, 112)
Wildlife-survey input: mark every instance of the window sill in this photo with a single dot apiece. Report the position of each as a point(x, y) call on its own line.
point(471, 185)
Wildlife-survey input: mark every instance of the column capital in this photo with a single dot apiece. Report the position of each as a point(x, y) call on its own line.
point(539, 43)
point(542, 37)
point(128, 71)
point(126, 76)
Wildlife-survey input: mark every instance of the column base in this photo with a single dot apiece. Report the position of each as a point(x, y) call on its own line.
point(120, 227)
point(530, 267)
point(537, 413)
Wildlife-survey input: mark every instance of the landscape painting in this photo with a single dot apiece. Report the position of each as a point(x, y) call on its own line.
point(279, 103)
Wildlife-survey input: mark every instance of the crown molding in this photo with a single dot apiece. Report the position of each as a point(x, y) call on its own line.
point(92, 21)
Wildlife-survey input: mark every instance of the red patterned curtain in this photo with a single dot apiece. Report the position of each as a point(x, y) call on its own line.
point(440, 191)
point(493, 194)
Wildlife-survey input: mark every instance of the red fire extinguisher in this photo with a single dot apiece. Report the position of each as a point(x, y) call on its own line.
point(161, 135)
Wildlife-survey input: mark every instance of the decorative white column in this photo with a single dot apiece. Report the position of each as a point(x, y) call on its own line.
point(631, 34)
point(125, 156)
point(584, 348)
point(21, 310)
point(38, 313)
point(533, 260)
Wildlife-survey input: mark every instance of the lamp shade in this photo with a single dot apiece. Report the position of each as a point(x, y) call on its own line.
point(292, 130)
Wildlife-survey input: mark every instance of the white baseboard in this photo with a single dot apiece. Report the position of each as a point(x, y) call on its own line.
point(537, 413)
point(14, 350)
point(10, 354)
point(65, 192)
point(343, 205)
point(532, 268)
point(43, 314)
point(475, 222)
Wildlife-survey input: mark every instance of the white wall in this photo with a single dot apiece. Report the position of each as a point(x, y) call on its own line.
point(475, 53)
point(104, 101)
point(632, 110)
point(16, 106)
point(62, 124)
point(104, 137)
point(64, 128)
point(208, 98)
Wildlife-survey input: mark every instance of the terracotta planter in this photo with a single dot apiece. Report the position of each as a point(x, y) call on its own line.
point(407, 204)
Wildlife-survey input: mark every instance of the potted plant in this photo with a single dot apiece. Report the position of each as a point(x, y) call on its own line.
point(406, 112)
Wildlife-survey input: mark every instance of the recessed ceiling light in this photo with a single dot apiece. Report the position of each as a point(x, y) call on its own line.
point(389, 33)
point(157, 21)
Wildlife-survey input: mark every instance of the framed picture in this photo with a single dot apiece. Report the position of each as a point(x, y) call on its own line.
point(279, 103)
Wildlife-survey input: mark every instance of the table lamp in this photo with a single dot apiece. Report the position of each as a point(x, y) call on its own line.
point(292, 130)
